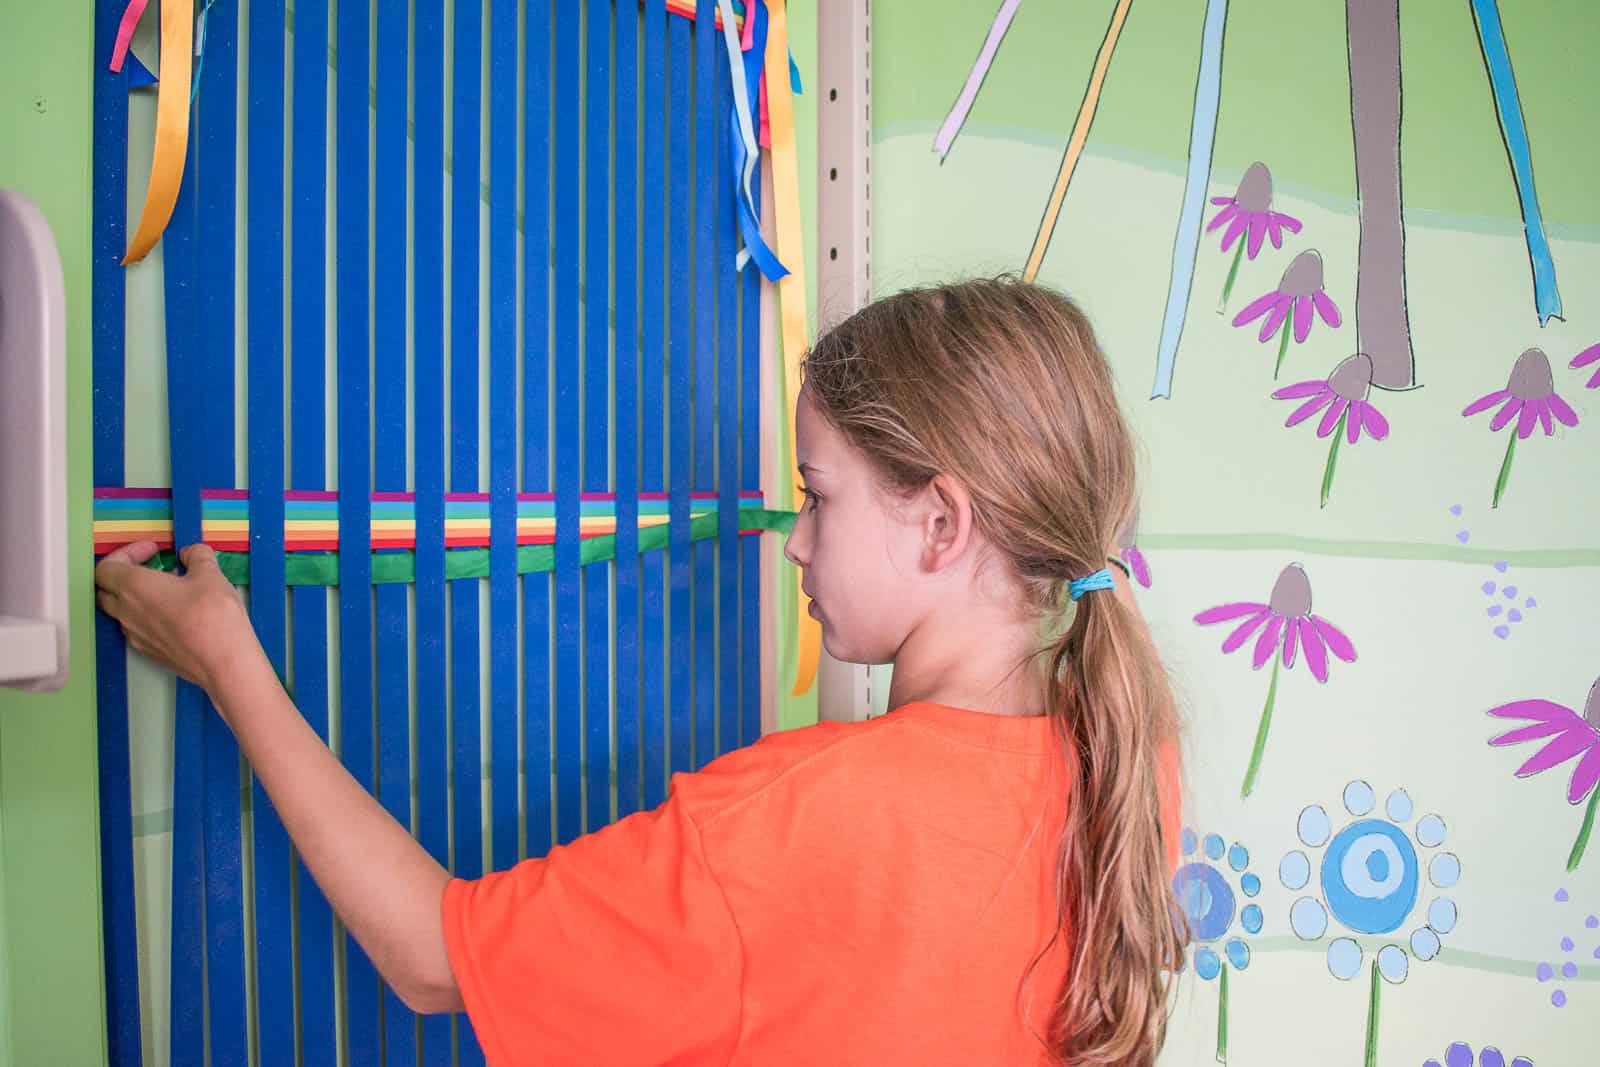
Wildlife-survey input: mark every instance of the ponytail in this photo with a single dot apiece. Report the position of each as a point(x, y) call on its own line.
point(1114, 713)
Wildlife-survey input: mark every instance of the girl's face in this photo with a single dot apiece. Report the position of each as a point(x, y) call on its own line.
point(857, 551)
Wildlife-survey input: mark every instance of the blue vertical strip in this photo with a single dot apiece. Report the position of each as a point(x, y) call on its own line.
point(393, 634)
point(536, 421)
point(214, 163)
point(724, 218)
point(185, 402)
point(568, 707)
point(679, 285)
point(428, 428)
point(708, 164)
point(750, 548)
point(597, 396)
point(1185, 247)
point(466, 725)
point(1492, 37)
point(362, 992)
point(119, 917)
point(308, 471)
point(652, 379)
point(625, 168)
point(274, 926)
point(503, 707)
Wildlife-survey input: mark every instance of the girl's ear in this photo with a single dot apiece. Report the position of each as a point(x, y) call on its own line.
point(946, 522)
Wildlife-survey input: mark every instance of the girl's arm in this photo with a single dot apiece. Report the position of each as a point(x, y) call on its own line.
point(384, 886)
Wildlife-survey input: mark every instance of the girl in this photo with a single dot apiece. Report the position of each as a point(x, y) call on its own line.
point(978, 877)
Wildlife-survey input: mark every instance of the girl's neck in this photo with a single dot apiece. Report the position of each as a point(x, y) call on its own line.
point(964, 663)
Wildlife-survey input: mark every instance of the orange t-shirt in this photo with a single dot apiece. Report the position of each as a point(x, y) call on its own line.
point(867, 893)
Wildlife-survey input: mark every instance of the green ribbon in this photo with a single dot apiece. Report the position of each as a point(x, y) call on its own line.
point(390, 566)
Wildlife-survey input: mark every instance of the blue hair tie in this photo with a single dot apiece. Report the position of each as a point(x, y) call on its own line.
point(1100, 579)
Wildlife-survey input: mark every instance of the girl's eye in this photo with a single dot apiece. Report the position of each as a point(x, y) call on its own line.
point(811, 497)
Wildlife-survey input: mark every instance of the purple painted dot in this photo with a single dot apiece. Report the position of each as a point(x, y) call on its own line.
point(1510, 591)
point(1522, 1061)
point(1570, 970)
point(1597, 953)
point(1502, 632)
point(1430, 1063)
point(1561, 896)
point(1500, 565)
point(1495, 609)
point(1488, 588)
point(1514, 615)
point(1462, 535)
point(1455, 509)
point(1530, 603)
point(1491, 1057)
point(1559, 998)
point(1458, 1055)
point(1545, 972)
point(1592, 922)
point(1566, 944)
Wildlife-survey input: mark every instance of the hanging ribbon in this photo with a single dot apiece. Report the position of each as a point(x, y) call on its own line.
point(957, 117)
point(130, 22)
point(1497, 59)
point(1186, 246)
point(744, 149)
point(1080, 136)
point(172, 128)
point(791, 288)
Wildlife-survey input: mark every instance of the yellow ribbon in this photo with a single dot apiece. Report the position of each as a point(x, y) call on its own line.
point(172, 127)
point(1080, 135)
point(792, 287)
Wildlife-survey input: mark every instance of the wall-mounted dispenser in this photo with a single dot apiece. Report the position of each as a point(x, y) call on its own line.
point(33, 451)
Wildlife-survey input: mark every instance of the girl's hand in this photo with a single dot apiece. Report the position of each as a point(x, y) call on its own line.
point(195, 625)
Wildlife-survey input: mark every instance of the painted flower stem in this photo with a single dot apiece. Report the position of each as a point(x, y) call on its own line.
point(1372, 1016)
point(1233, 272)
point(1333, 458)
point(1222, 1018)
point(1261, 733)
point(1283, 342)
point(1505, 467)
point(1576, 857)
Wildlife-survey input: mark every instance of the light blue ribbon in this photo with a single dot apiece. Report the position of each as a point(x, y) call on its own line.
point(744, 149)
point(1100, 579)
point(1486, 13)
point(1202, 135)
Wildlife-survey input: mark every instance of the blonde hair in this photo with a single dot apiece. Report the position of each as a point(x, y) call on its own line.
point(1001, 384)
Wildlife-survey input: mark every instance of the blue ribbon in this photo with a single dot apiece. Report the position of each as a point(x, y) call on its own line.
point(743, 150)
point(1492, 38)
point(1100, 579)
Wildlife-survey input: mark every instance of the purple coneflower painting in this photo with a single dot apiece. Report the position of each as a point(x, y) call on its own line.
point(1570, 735)
point(1250, 219)
point(1137, 566)
point(1530, 397)
point(1343, 395)
point(1583, 359)
point(1299, 291)
point(1287, 629)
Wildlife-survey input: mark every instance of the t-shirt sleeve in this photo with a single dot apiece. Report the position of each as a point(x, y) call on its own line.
point(618, 949)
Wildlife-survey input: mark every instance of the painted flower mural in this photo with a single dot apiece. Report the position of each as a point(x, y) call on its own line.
point(1287, 631)
point(1250, 220)
point(1370, 881)
point(1583, 359)
point(1531, 399)
point(1567, 735)
point(1208, 886)
point(1460, 1055)
point(1342, 398)
point(1294, 303)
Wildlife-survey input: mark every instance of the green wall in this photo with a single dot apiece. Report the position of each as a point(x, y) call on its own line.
point(52, 1008)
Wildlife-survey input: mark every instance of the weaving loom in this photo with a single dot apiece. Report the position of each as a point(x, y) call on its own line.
point(530, 590)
